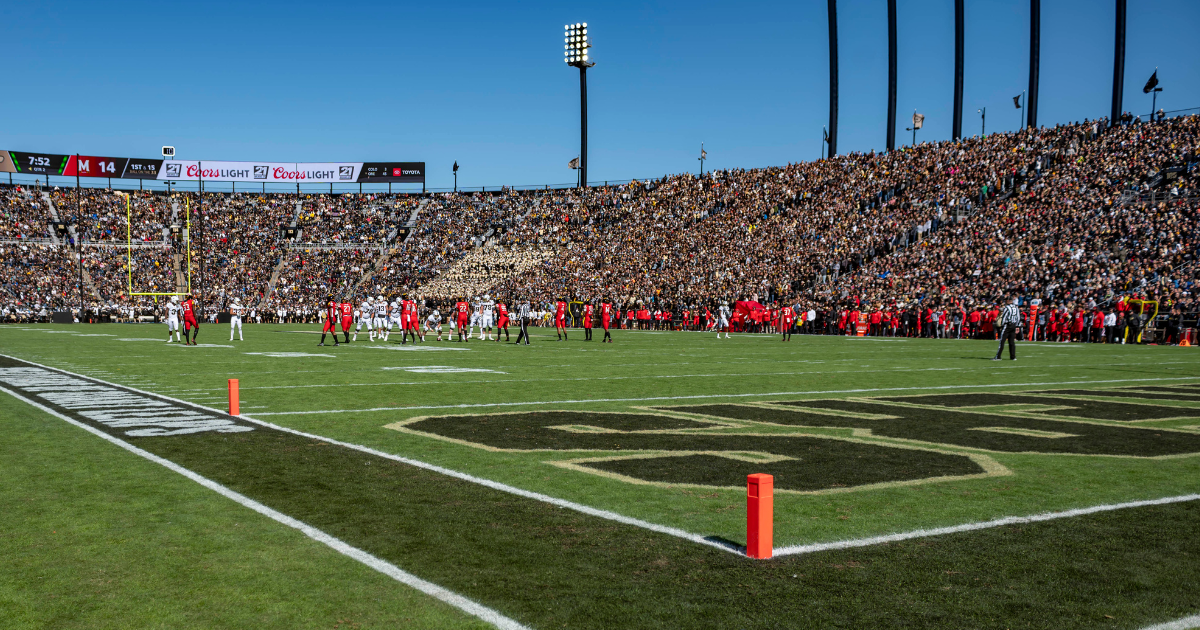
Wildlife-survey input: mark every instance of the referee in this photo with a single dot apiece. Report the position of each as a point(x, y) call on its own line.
point(523, 313)
point(1010, 319)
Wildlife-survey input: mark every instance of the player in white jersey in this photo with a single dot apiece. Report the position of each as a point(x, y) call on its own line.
point(363, 313)
point(235, 319)
point(381, 308)
point(475, 317)
point(433, 322)
point(487, 315)
point(394, 312)
point(173, 310)
point(723, 314)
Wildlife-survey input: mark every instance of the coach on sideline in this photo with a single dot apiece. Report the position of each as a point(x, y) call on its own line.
point(1009, 320)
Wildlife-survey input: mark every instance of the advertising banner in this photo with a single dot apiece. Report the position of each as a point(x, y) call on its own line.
point(6, 163)
point(265, 172)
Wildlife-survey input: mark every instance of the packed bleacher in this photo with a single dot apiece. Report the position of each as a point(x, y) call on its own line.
point(1066, 218)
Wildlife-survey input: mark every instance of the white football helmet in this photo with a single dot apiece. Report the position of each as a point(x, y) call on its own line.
point(174, 299)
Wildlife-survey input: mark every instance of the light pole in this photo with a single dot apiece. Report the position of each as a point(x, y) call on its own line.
point(455, 175)
point(576, 47)
point(703, 155)
point(918, 122)
point(982, 122)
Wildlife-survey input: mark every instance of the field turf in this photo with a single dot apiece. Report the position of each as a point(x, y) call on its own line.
point(865, 437)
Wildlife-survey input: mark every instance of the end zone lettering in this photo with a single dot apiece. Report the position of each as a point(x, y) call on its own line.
point(114, 409)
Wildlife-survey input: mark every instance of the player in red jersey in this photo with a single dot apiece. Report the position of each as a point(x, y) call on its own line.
point(587, 322)
point(606, 313)
point(560, 319)
point(332, 310)
point(501, 320)
point(408, 319)
point(347, 312)
point(189, 320)
point(787, 319)
point(462, 311)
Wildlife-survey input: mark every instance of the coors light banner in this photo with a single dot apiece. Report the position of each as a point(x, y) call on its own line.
point(292, 172)
point(268, 172)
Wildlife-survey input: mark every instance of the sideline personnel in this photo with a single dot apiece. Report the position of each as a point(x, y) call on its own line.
point(1010, 318)
point(523, 314)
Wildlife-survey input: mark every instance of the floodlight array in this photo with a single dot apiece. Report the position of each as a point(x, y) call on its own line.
point(575, 41)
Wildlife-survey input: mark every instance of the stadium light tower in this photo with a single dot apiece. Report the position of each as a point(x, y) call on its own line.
point(576, 45)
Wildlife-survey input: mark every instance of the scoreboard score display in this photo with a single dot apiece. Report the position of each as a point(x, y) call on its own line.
point(93, 166)
point(33, 163)
point(136, 168)
point(392, 172)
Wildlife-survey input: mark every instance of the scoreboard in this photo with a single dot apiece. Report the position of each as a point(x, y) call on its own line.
point(392, 172)
point(136, 168)
point(34, 163)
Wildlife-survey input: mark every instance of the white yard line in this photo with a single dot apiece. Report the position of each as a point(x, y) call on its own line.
point(646, 376)
point(1179, 624)
point(429, 588)
point(968, 527)
point(706, 396)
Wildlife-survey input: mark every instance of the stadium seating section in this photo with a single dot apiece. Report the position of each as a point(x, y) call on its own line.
point(1074, 215)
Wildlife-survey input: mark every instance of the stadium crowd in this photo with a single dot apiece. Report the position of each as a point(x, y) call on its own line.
point(1071, 218)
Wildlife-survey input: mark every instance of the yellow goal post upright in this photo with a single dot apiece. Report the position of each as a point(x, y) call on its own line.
point(1148, 309)
point(129, 250)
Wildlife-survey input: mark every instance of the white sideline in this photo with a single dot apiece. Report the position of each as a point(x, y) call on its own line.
point(429, 588)
point(968, 527)
point(1179, 624)
point(672, 531)
point(699, 396)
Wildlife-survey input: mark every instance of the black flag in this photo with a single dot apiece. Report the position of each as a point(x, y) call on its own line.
point(1017, 101)
point(455, 166)
point(1152, 83)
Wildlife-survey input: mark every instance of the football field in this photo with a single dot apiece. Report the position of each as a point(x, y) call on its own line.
point(918, 484)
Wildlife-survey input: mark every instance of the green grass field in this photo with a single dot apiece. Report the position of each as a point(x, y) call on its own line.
point(646, 442)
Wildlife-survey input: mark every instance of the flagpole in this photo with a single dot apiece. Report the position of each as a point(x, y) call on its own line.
point(1021, 115)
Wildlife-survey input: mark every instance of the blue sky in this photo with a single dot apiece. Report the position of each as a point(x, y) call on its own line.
point(485, 84)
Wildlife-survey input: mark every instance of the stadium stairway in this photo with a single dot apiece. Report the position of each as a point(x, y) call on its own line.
point(180, 281)
point(53, 216)
point(87, 277)
point(380, 263)
point(279, 266)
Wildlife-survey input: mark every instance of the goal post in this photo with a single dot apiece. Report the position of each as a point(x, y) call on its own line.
point(1148, 309)
point(129, 252)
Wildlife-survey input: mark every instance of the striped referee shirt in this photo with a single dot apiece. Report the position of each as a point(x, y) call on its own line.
point(1010, 315)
